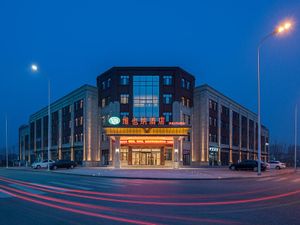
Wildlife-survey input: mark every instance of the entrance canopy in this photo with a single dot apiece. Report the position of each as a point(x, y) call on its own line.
point(147, 131)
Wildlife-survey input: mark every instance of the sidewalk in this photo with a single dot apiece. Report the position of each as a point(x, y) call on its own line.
point(205, 173)
point(177, 174)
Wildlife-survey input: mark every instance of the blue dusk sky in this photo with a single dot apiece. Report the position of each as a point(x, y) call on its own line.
point(216, 41)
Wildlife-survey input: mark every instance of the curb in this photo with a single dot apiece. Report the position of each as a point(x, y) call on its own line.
point(157, 178)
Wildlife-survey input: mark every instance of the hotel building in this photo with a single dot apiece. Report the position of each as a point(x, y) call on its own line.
point(145, 117)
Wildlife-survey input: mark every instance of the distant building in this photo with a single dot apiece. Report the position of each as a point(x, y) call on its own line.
point(24, 144)
point(145, 117)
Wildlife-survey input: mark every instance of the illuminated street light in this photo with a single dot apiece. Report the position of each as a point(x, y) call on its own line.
point(34, 68)
point(280, 29)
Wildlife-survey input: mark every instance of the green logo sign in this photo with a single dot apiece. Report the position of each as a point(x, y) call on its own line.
point(114, 120)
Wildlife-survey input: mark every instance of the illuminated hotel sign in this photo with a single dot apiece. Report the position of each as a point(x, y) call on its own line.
point(114, 120)
point(152, 121)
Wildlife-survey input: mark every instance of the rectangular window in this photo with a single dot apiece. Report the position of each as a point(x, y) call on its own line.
point(108, 83)
point(167, 98)
point(183, 83)
point(103, 102)
point(81, 104)
point(182, 100)
point(188, 85)
point(124, 98)
point(124, 80)
point(103, 85)
point(168, 116)
point(167, 80)
point(188, 102)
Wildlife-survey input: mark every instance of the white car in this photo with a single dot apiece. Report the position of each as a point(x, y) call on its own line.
point(277, 165)
point(42, 164)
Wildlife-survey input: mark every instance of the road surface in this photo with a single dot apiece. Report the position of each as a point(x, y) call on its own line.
point(28, 197)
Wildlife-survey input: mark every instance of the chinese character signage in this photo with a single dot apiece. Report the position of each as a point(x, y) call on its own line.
point(161, 121)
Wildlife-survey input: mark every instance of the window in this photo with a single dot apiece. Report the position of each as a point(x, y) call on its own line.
point(182, 100)
point(182, 83)
point(168, 116)
point(124, 80)
point(103, 85)
point(103, 102)
point(108, 83)
point(188, 85)
point(188, 102)
point(81, 120)
point(124, 114)
point(81, 104)
point(124, 98)
point(167, 80)
point(76, 122)
point(212, 137)
point(167, 98)
point(146, 96)
point(212, 105)
point(168, 154)
point(124, 154)
point(188, 119)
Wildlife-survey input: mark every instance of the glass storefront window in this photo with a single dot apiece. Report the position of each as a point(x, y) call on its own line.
point(124, 154)
point(146, 96)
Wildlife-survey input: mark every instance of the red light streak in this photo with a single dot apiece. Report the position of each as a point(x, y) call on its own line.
point(231, 202)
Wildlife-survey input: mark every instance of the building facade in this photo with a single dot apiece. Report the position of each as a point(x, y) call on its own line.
point(73, 125)
point(224, 131)
point(146, 117)
point(24, 144)
point(154, 105)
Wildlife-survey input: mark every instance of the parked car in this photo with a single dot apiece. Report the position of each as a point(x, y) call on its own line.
point(63, 164)
point(277, 165)
point(247, 165)
point(42, 164)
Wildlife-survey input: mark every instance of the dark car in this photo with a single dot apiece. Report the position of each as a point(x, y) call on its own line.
point(247, 165)
point(63, 164)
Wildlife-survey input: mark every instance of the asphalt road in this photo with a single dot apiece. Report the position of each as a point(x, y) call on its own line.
point(28, 197)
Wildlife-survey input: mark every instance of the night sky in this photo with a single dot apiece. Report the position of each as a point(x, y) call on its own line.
point(74, 41)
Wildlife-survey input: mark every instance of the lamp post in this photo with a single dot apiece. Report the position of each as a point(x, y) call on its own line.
point(6, 142)
point(34, 68)
point(296, 111)
point(282, 28)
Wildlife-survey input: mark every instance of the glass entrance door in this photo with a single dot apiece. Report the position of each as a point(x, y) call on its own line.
point(146, 157)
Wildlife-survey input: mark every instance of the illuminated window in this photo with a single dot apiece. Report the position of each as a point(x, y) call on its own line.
point(103, 102)
point(167, 80)
point(124, 98)
point(167, 98)
point(124, 80)
point(188, 102)
point(183, 100)
point(81, 104)
point(103, 85)
point(168, 116)
point(146, 96)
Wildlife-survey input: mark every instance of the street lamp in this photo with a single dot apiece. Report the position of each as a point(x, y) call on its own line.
point(280, 29)
point(6, 142)
point(34, 68)
point(296, 112)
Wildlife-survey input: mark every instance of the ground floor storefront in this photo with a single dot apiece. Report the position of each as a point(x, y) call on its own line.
point(151, 147)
